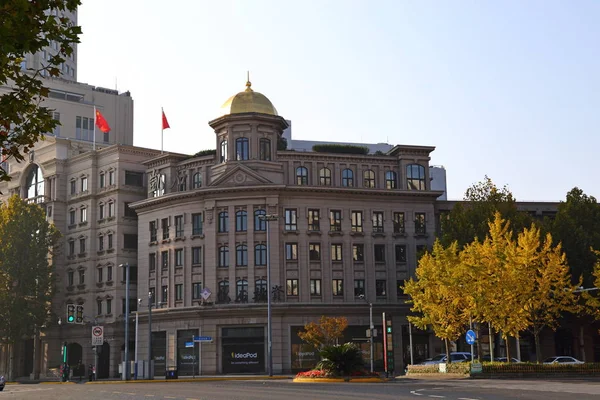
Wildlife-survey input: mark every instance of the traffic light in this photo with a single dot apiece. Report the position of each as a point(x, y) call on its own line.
point(71, 313)
point(79, 315)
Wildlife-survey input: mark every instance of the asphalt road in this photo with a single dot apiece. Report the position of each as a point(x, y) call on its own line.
point(404, 389)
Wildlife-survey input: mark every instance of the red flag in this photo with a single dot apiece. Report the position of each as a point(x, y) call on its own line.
point(164, 121)
point(101, 122)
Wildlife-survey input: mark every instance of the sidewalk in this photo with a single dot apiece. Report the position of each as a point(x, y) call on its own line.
point(203, 378)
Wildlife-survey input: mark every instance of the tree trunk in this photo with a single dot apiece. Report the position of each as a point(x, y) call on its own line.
point(507, 341)
point(478, 330)
point(538, 347)
point(10, 362)
point(491, 338)
point(448, 359)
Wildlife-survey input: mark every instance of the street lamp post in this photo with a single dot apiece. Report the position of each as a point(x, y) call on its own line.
point(150, 371)
point(371, 326)
point(127, 366)
point(268, 218)
point(137, 313)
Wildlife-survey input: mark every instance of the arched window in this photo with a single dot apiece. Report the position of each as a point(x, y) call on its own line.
point(223, 294)
point(241, 149)
point(265, 149)
point(259, 223)
point(260, 255)
point(325, 177)
point(241, 221)
point(223, 151)
point(197, 180)
point(390, 180)
point(241, 256)
point(35, 183)
point(347, 178)
point(260, 290)
point(369, 179)
point(223, 222)
point(415, 177)
point(223, 256)
point(301, 176)
point(241, 291)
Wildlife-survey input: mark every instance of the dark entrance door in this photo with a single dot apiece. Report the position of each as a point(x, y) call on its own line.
point(243, 350)
point(103, 361)
point(28, 357)
point(159, 352)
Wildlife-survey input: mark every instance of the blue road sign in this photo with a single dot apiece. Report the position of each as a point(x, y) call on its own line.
point(203, 339)
point(470, 337)
point(189, 344)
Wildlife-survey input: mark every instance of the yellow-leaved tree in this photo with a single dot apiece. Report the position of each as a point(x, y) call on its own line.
point(327, 332)
point(435, 295)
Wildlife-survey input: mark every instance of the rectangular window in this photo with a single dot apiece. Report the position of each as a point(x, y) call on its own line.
point(400, 287)
point(315, 287)
point(335, 220)
point(70, 278)
point(400, 253)
point(102, 180)
point(358, 252)
point(196, 224)
point(378, 221)
point(106, 135)
point(84, 184)
point(110, 240)
point(111, 209)
point(72, 217)
point(356, 221)
point(130, 241)
point(129, 212)
point(165, 228)
point(71, 247)
point(109, 274)
point(111, 178)
point(81, 277)
point(196, 255)
point(81, 246)
point(101, 211)
point(178, 292)
point(336, 252)
point(73, 187)
point(100, 243)
point(108, 306)
point(291, 221)
point(178, 226)
point(379, 252)
point(314, 220)
point(196, 290)
point(99, 307)
point(164, 260)
point(398, 222)
point(338, 287)
point(100, 275)
point(380, 287)
point(420, 224)
point(291, 251)
point(291, 286)
point(314, 251)
point(153, 231)
point(152, 262)
point(164, 297)
point(359, 287)
point(83, 215)
point(133, 178)
point(179, 257)
point(152, 294)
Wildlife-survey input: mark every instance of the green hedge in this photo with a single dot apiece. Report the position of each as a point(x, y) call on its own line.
point(209, 152)
point(340, 148)
point(500, 368)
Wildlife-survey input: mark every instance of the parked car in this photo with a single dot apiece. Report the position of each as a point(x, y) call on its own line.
point(2, 383)
point(454, 357)
point(562, 360)
point(500, 359)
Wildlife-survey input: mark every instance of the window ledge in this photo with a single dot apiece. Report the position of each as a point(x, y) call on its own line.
point(380, 263)
point(359, 264)
point(241, 266)
point(399, 234)
point(71, 257)
point(309, 232)
point(83, 223)
point(109, 283)
point(82, 255)
point(110, 250)
point(101, 220)
point(100, 252)
point(81, 287)
point(291, 232)
point(108, 315)
point(166, 241)
point(70, 288)
point(378, 234)
point(421, 235)
point(355, 233)
point(110, 219)
point(336, 233)
point(200, 236)
point(180, 239)
point(99, 284)
point(196, 265)
point(152, 243)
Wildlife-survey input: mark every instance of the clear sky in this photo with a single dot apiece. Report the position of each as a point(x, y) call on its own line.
point(510, 89)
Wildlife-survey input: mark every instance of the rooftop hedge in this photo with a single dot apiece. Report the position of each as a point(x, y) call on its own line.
point(340, 148)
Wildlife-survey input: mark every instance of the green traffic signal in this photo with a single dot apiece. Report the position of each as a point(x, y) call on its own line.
point(70, 313)
point(71, 318)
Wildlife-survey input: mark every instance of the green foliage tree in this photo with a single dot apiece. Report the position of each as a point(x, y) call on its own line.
point(469, 220)
point(340, 148)
point(341, 360)
point(592, 300)
point(577, 227)
point(282, 143)
point(435, 297)
point(27, 241)
point(26, 27)
point(327, 332)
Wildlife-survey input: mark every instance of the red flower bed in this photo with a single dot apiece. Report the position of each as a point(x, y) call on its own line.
point(317, 373)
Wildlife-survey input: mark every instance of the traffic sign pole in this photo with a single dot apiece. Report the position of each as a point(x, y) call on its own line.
point(471, 328)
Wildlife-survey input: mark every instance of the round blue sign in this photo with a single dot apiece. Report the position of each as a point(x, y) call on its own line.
point(470, 337)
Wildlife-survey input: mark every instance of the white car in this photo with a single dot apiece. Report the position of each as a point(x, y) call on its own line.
point(455, 357)
point(562, 360)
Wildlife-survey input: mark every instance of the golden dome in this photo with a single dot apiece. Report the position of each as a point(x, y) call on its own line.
point(248, 101)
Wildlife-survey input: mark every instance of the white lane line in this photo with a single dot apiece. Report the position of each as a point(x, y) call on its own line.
point(117, 392)
point(415, 393)
point(466, 398)
point(437, 397)
point(131, 394)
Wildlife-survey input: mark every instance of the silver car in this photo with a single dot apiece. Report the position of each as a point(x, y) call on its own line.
point(454, 357)
point(562, 360)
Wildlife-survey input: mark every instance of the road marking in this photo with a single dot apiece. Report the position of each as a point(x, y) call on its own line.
point(169, 397)
point(437, 397)
point(131, 394)
point(117, 392)
point(415, 392)
point(190, 399)
point(465, 398)
point(149, 395)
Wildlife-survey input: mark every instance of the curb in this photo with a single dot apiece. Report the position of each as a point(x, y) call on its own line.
point(57, 383)
point(339, 380)
point(201, 379)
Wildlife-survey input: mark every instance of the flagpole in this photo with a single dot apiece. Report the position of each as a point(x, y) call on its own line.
point(162, 129)
point(94, 134)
